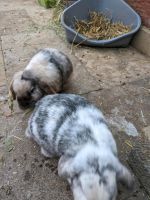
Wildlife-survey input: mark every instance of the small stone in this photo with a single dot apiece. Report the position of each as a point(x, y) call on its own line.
point(27, 175)
point(25, 156)
point(123, 83)
point(33, 165)
point(53, 168)
point(1, 137)
point(48, 165)
point(29, 195)
point(36, 160)
point(8, 189)
point(40, 165)
point(146, 131)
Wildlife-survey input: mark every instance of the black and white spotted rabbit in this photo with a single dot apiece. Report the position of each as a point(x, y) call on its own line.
point(66, 125)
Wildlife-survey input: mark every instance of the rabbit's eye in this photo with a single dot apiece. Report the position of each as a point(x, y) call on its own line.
point(32, 90)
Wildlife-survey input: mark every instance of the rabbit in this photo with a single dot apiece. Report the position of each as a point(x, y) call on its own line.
point(71, 128)
point(46, 73)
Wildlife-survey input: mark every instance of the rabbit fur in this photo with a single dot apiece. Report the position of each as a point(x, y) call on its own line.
point(70, 127)
point(46, 73)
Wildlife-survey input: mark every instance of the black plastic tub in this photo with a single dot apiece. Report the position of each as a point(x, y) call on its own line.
point(116, 10)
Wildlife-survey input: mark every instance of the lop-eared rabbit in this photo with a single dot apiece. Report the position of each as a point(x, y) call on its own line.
point(68, 126)
point(46, 73)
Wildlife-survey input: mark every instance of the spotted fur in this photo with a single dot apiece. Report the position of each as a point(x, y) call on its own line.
point(70, 127)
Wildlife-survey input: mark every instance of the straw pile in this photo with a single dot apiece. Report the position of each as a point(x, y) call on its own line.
point(99, 27)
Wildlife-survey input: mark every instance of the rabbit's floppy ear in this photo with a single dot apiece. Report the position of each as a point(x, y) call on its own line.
point(124, 176)
point(11, 90)
point(17, 76)
point(42, 84)
point(28, 75)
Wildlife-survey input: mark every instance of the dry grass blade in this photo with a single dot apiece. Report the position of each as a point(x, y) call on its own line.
point(10, 102)
point(99, 27)
point(57, 12)
point(59, 9)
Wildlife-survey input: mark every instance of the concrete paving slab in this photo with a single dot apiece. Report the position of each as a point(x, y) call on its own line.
point(139, 160)
point(9, 5)
point(131, 101)
point(114, 66)
point(40, 15)
point(14, 21)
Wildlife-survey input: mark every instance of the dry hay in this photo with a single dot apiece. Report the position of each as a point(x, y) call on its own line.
point(99, 27)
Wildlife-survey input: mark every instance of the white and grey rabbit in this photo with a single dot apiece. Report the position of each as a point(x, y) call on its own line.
point(46, 73)
point(68, 126)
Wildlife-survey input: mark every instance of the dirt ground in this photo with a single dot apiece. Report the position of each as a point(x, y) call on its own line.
point(116, 80)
